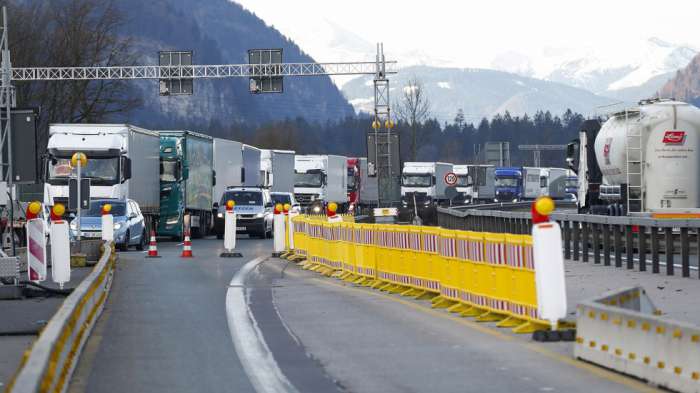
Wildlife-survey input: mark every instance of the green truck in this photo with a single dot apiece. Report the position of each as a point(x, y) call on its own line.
point(187, 180)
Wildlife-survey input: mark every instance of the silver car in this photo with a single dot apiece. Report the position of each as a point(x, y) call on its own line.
point(129, 227)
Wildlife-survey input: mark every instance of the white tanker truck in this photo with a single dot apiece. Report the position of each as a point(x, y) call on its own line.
point(643, 160)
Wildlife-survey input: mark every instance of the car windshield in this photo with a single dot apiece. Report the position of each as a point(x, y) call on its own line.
point(281, 198)
point(421, 180)
point(308, 180)
point(463, 180)
point(506, 182)
point(105, 169)
point(247, 198)
point(95, 210)
point(169, 170)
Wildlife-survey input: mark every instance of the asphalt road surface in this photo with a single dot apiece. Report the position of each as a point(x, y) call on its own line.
point(211, 324)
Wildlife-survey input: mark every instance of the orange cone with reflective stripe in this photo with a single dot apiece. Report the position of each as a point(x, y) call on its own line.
point(152, 249)
point(187, 246)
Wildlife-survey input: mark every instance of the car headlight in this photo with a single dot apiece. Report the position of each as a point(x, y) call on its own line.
point(260, 215)
point(220, 215)
point(515, 200)
point(317, 209)
point(117, 225)
point(172, 220)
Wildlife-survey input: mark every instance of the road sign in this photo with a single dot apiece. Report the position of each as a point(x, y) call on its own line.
point(450, 178)
point(178, 83)
point(267, 61)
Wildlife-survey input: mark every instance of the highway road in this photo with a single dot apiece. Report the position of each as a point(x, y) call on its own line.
point(211, 324)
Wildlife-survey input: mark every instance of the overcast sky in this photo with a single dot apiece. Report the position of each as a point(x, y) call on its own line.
point(472, 33)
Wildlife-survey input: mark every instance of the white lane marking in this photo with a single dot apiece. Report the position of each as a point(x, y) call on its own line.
point(256, 358)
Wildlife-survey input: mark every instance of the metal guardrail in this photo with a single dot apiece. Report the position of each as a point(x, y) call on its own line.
point(622, 331)
point(636, 241)
point(53, 357)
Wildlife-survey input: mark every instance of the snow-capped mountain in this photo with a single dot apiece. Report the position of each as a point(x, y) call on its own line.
point(479, 93)
point(628, 71)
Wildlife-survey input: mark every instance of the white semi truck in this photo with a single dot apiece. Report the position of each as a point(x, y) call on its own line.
point(277, 170)
point(123, 162)
point(424, 183)
point(465, 184)
point(320, 179)
point(642, 160)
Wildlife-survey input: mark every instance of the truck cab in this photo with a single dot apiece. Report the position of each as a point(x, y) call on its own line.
point(319, 179)
point(465, 184)
point(187, 180)
point(509, 184)
point(108, 166)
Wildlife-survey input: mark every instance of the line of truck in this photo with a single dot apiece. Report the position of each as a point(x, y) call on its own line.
point(426, 184)
point(179, 175)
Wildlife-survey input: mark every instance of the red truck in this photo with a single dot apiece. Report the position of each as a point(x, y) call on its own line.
point(354, 184)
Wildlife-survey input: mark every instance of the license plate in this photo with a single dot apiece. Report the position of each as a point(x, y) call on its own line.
point(92, 234)
point(241, 228)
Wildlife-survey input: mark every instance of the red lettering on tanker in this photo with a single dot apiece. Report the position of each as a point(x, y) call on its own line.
point(674, 137)
point(606, 150)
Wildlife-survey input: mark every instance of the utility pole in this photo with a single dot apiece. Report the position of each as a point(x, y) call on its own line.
point(386, 158)
point(7, 102)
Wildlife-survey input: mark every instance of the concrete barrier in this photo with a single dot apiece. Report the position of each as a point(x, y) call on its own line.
point(622, 331)
point(48, 366)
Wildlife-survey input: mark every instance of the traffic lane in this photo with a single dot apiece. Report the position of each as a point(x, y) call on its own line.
point(304, 372)
point(373, 342)
point(164, 328)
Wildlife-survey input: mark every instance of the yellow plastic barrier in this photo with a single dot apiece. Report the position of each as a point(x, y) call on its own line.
point(489, 276)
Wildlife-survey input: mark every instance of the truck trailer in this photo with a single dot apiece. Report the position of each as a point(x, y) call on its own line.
point(643, 160)
point(228, 166)
point(277, 170)
point(186, 183)
point(122, 164)
point(250, 177)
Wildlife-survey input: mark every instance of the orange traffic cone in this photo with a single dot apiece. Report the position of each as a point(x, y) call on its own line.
point(152, 249)
point(187, 246)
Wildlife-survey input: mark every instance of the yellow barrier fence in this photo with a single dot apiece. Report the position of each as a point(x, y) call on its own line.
point(489, 276)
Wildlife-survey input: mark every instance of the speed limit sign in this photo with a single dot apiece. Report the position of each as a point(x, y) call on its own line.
point(450, 178)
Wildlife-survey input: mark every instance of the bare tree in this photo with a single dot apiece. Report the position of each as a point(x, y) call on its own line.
point(71, 33)
point(413, 110)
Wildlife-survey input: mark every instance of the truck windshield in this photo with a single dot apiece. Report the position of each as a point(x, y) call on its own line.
point(246, 198)
point(101, 170)
point(417, 180)
point(463, 180)
point(281, 198)
point(95, 210)
point(169, 170)
point(506, 182)
point(308, 180)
